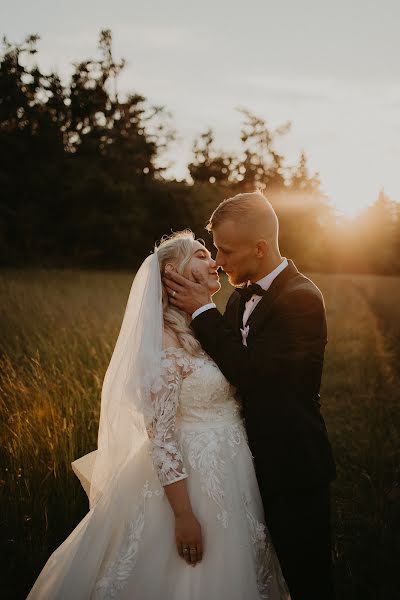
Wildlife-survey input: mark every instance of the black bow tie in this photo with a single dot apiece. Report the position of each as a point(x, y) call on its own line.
point(246, 292)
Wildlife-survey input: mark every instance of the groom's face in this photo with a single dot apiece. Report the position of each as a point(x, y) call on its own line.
point(236, 251)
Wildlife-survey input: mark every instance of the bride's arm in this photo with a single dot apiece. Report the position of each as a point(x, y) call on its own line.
point(165, 448)
point(187, 527)
point(167, 455)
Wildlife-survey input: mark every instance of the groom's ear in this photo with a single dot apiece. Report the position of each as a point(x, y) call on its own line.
point(262, 248)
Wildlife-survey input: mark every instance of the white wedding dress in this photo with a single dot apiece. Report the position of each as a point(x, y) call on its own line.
point(125, 552)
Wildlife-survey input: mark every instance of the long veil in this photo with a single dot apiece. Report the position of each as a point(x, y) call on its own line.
point(125, 398)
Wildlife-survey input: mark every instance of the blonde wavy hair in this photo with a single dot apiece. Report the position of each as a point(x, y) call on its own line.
point(178, 249)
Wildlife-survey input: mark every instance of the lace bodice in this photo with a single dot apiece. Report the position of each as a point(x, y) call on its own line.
point(190, 391)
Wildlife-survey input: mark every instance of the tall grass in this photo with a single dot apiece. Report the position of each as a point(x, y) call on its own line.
point(361, 395)
point(58, 330)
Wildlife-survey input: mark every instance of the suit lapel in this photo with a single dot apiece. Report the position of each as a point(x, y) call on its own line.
point(238, 313)
point(264, 306)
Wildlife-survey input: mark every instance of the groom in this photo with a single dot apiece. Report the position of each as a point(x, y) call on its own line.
point(270, 344)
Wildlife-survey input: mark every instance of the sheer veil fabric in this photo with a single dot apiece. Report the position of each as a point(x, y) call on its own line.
point(126, 405)
point(117, 492)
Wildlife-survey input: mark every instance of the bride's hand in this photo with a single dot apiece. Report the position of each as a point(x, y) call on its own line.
point(188, 538)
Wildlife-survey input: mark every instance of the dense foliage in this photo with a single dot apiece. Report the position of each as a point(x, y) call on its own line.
point(83, 182)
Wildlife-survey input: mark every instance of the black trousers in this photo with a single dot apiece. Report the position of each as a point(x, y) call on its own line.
point(300, 526)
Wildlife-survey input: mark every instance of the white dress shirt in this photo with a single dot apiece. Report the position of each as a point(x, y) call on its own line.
point(203, 308)
point(250, 305)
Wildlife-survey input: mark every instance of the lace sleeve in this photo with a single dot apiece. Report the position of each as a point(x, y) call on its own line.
point(165, 450)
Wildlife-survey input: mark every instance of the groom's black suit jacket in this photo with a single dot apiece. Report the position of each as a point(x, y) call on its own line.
point(278, 376)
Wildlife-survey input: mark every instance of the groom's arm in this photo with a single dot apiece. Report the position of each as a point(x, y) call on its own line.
point(297, 337)
point(292, 341)
point(228, 307)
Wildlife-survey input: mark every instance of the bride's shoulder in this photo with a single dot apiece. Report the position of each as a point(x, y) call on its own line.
point(173, 350)
point(174, 358)
point(170, 340)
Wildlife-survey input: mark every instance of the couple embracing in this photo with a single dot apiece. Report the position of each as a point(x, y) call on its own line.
point(212, 475)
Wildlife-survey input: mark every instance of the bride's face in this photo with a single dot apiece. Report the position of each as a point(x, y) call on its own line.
point(202, 263)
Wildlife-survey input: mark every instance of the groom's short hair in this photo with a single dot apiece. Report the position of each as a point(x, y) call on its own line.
point(252, 207)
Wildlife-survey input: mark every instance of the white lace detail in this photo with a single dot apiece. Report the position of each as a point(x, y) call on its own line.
point(119, 569)
point(269, 573)
point(165, 449)
point(205, 456)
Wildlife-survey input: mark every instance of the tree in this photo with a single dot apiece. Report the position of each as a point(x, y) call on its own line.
point(300, 179)
point(209, 165)
point(57, 142)
point(262, 164)
point(127, 134)
point(305, 216)
point(378, 229)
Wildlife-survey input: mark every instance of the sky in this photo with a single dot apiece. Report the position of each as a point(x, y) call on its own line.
point(330, 68)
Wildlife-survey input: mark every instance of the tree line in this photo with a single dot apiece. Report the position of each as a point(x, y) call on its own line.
point(83, 177)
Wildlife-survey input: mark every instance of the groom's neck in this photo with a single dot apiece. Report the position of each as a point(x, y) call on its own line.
point(267, 268)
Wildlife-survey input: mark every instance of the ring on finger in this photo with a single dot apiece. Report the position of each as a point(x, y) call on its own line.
point(174, 294)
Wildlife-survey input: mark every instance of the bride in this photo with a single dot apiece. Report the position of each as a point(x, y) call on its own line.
point(175, 511)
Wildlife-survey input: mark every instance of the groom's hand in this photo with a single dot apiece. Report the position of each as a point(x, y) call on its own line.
point(185, 294)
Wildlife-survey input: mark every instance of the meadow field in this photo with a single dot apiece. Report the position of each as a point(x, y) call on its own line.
point(58, 330)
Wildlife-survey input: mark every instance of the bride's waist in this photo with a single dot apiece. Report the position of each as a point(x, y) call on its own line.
point(210, 420)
